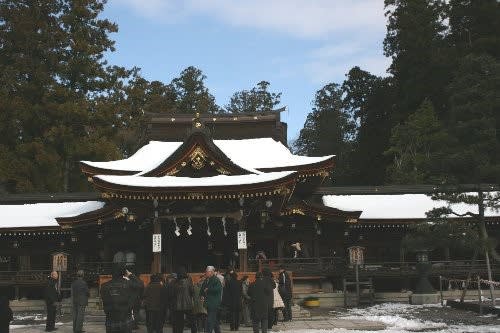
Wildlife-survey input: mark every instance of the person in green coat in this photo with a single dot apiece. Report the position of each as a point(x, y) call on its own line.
point(211, 292)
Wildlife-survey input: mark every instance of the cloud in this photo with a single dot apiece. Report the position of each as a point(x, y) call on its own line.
point(297, 18)
point(330, 63)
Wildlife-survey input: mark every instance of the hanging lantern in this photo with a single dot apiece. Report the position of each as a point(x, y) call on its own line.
point(15, 244)
point(208, 227)
point(74, 238)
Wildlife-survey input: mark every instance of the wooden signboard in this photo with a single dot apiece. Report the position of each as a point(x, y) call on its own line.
point(60, 262)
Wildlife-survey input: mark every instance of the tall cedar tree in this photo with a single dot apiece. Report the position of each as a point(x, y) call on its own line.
point(52, 68)
point(258, 99)
point(368, 101)
point(474, 158)
point(418, 148)
point(420, 58)
point(192, 94)
point(475, 26)
point(327, 130)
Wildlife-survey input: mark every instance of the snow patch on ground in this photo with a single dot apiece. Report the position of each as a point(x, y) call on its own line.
point(402, 318)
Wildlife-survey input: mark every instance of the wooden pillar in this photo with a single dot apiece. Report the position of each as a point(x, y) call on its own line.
point(243, 254)
point(156, 264)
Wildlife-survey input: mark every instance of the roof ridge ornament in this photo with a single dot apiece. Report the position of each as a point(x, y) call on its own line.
point(198, 123)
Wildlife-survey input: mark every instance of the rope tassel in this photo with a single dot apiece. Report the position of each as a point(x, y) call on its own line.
point(177, 229)
point(208, 227)
point(224, 225)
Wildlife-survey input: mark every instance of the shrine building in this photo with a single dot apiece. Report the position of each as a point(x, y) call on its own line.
point(222, 190)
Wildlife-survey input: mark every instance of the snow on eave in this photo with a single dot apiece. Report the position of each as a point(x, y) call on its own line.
point(43, 215)
point(188, 182)
point(395, 206)
point(250, 154)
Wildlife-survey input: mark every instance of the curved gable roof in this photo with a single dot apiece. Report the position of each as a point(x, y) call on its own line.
point(263, 154)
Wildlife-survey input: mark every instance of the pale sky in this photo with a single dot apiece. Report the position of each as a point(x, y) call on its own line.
point(296, 45)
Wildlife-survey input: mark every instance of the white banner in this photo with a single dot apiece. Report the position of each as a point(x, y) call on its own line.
point(242, 240)
point(156, 242)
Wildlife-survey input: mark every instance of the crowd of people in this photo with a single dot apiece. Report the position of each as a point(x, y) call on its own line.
point(181, 302)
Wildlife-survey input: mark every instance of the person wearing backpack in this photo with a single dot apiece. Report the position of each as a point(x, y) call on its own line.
point(117, 300)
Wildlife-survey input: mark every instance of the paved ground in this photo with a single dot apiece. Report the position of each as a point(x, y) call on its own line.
point(389, 318)
point(313, 323)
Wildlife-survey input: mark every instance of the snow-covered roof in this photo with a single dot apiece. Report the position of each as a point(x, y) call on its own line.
point(171, 181)
point(397, 206)
point(247, 153)
point(43, 214)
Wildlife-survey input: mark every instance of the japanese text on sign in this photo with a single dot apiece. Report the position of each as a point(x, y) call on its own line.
point(242, 240)
point(60, 262)
point(156, 242)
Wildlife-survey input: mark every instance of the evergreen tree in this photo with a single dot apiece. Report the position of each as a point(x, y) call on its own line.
point(474, 121)
point(258, 99)
point(374, 134)
point(327, 130)
point(53, 73)
point(475, 26)
point(421, 59)
point(358, 87)
point(418, 147)
point(192, 95)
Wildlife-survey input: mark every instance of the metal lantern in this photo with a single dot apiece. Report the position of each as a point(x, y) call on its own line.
point(423, 256)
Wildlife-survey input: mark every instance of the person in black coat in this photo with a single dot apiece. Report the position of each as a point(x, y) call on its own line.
point(233, 290)
point(260, 292)
point(268, 278)
point(118, 299)
point(153, 303)
point(52, 296)
point(184, 292)
point(80, 295)
point(5, 315)
point(285, 290)
point(137, 294)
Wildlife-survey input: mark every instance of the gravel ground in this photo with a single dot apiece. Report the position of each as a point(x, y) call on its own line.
point(452, 316)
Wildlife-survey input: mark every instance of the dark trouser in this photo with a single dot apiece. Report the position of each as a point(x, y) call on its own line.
point(234, 319)
point(51, 317)
point(154, 321)
point(270, 317)
point(201, 322)
point(179, 321)
point(78, 315)
point(118, 326)
point(287, 310)
point(262, 322)
point(212, 321)
point(247, 319)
